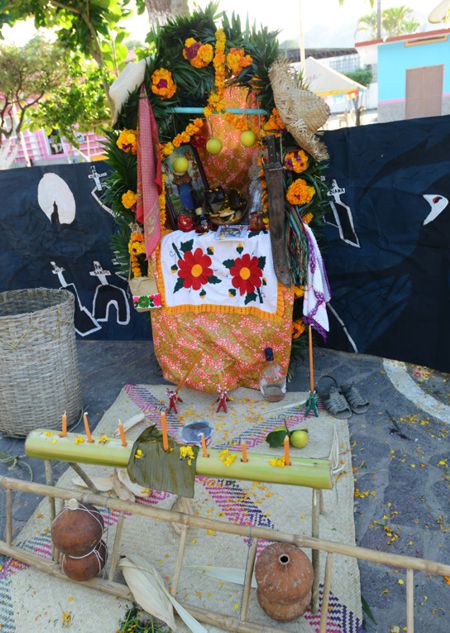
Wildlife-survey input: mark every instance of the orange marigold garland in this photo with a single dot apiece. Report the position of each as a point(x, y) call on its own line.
point(192, 128)
point(237, 60)
point(127, 141)
point(197, 54)
point(274, 124)
point(299, 192)
point(136, 247)
point(162, 203)
point(163, 84)
point(215, 101)
point(129, 199)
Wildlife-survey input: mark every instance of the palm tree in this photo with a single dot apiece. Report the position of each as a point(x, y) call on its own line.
point(394, 21)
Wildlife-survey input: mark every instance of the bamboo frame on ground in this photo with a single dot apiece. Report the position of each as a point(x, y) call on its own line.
point(409, 563)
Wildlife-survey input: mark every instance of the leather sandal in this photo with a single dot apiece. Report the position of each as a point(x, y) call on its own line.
point(332, 398)
point(357, 403)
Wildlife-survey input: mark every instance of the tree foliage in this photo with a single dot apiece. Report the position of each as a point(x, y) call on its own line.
point(363, 76)
point(394, 21)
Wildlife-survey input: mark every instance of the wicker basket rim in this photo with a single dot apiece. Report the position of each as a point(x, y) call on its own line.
point(65, 295)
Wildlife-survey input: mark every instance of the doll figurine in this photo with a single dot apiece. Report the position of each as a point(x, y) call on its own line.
point(173, 399)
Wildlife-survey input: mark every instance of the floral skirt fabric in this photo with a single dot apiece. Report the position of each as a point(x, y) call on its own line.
point(225, 349)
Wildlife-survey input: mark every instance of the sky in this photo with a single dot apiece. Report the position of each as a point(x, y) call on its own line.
point(326, 24)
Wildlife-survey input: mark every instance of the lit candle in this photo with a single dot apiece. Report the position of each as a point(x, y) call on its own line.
point(204, 451)
point(244, 452)
point(287, 459)
point(87, 429)
point(164, 431)
point(64, 425)
point(122, 434)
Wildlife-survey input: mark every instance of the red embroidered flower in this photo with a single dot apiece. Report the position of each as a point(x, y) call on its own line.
point(246, 273)
point(194, 269)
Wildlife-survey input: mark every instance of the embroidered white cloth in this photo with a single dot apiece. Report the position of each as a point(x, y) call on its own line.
point(200, 273)
point(317, 288)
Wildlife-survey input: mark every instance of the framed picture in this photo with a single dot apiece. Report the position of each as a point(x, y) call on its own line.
point(184, 192)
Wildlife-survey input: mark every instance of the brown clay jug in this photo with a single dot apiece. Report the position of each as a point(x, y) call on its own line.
point(87, 566)
point(77, 529)
point(284, 576)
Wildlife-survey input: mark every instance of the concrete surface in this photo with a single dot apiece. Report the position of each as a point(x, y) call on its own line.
point(400, 458)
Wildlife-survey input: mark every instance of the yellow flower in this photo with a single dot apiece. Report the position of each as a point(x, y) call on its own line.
point(299, 192)
point(278, 462)
point(103, 439)
point(299, 291)
point(237, 60)
point(48, 433)
point(79, 440)
point(298, 327)
point(163, 84)
point(186, 452)
point(127, 141)
point(307, 218)
point(226, 457)
point(129, 199)
point(138, 454)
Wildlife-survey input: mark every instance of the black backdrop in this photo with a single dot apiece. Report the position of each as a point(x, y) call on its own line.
point(389, 270)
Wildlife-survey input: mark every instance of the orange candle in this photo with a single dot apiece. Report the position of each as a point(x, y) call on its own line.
point(164, 431)
point(87, 429)
point(287, 458)
point(244, 452)
point(122, 434)
point(64, 425)
point(311, 361)
point(204, 451)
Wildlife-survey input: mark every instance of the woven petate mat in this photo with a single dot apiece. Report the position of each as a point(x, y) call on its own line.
point(31, 601)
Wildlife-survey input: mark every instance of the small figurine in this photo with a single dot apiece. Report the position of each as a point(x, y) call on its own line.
point(173, 396)
point(222, 399)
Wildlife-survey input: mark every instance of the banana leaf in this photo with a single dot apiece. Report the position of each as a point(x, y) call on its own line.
point(152, 467)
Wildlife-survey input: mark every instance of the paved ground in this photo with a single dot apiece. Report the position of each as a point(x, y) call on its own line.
point(400, 457)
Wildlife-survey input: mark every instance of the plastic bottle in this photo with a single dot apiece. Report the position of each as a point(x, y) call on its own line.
point(273, 382)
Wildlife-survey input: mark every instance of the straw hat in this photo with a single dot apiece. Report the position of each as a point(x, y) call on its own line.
point(302, 112)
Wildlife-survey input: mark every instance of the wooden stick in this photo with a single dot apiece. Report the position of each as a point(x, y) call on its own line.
point(248, 579)
point(115, 554)
point(84, 476)
point(315, 512)
point(168, 516)
point(179, 563)
point(326, 593)
point(9, 518)
point(51, 502)
point(311, 361)
point(186, 375)
point(410, 601)
point(321, 504)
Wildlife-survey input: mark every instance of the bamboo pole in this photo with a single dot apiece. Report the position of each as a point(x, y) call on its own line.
point(410, 601)
point(326, 593)
point(249, 531)
point(315, 514)
point(9, 520)
point(248, 579)
point(311, 360)
point(115, 554)
point(179, 563)
point(304, 471)
point(49, 481)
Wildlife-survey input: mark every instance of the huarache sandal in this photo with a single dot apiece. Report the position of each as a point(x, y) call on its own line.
point(334, 401)
point(357, 403)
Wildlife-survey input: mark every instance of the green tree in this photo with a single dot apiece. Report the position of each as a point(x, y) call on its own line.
point(394, 21)
point(27, 76)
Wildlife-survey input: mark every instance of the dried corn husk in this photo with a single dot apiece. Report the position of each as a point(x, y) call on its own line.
point(227, 574)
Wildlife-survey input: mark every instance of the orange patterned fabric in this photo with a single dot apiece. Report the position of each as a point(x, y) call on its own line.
point(225, 349)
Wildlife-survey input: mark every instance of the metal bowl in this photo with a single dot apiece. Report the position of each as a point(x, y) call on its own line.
point(191, 432)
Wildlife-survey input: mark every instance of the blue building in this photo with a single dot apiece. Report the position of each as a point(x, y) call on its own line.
point(412, 72)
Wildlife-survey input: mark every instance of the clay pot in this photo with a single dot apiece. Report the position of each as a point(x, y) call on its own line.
point(77, 529)
point(284, 576)
point(86, 567)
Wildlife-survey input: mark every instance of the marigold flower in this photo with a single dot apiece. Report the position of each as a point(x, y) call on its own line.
point(298, 327)
point(307, 218)
point(129, 199)
point(296, 161)
point(127, 141)
point(163, 84)
point(237, 60)
point(299, 192)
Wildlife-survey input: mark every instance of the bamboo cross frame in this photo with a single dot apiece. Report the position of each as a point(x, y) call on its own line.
point(240, 625)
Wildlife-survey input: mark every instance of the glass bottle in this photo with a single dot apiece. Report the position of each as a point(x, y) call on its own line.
point(272, 382)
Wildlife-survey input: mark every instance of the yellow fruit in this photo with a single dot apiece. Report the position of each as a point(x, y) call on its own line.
point(248, 138)
point(214, 146)
point(299, 439)
point(180, 165)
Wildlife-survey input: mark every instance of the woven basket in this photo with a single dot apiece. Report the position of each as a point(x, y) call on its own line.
point(39, 376)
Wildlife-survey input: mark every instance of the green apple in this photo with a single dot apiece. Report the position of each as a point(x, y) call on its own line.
point(180, 165)
point(248, 138)
point(214, 146)
point(299, 439)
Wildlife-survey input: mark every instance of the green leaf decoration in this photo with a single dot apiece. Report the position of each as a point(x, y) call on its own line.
point(264, 282)
point(210, 250)
point(367, 610)
point(179, 284)
point(251, 296)
point(228, 263)
point(214, 280)
point(174, 268)
point(275, 439)
point(202, 292)
point(186, 246)
point(160, 470)
point(239, 249)
point(253, 233)
point(232, 292)
point(261, 262)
